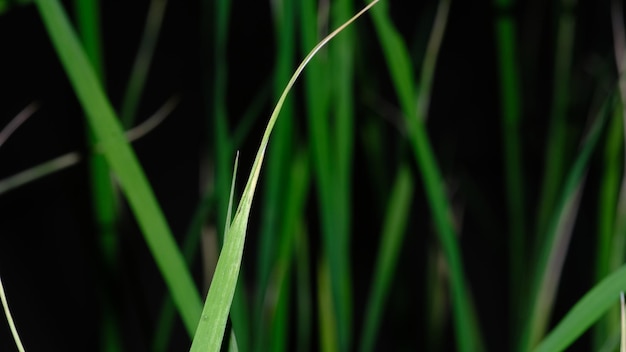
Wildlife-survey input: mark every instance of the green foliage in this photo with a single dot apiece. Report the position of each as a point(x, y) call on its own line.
point(344, 197)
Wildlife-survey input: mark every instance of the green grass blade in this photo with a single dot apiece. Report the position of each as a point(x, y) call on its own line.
point(389, 251)
point(317, 93)
point(585, 312)
point(622, 345)
point(7, 313)
point(327, 323)
point(608, 231)
point(511, 111)
point(278, 158)
point(165, 322)
point(427, 71)
point(123, 162)
point(104, 193)
point(210, 331)
point(304, 301)
point(398, 63)
point(550, 258)
point(223, 147)
point(232, 195)
point(277, 297)
point(143, 60)
point(341, 62)
point(557, 155)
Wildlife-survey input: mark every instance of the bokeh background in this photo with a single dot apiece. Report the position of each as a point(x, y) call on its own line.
point(56, 272)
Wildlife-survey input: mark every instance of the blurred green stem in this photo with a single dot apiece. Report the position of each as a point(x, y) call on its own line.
point(511, 110)
point(103, 190)
point(557, 155)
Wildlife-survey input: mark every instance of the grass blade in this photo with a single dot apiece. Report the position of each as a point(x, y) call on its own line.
point(550, 258)
point(123, 162)
point(7, 313)
point(622, 344)
point(143, 60)
point(103, 190)
point(556, 154)
point(511, 111)
point(210, 330)
point(398, 63)
point(585, 312)
point(278, 158)
point(391, 241)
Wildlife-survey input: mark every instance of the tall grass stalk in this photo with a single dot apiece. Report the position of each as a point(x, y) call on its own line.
point(278, 292)
point(612, 202)
point(511, 111)
point(122, 162)
point(143, 60)
point(398, 63)
point(103, 190)
point(210, 331)
point(549, 261)
point(325, 149)
point(557, 156)
point(278, 159)
point(7, 313)
point(223, 149)
point(585, 312)
point(392, 236)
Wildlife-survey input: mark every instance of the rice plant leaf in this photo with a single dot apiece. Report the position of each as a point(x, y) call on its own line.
point(552, 253)
point(398, 63)
point(585, 312)
point(232, 196)
point(7, 313)
point(622, 345)
point(391, 241)
point(123, 162)
point(210, 331)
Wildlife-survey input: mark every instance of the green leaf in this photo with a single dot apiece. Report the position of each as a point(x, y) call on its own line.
point(123, 162)
point(210, 331)
point(588, 310)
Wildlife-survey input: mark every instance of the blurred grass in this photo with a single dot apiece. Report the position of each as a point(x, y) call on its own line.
point(103, 191)
point(122, 161)
point(512, 111)
point(306, 285)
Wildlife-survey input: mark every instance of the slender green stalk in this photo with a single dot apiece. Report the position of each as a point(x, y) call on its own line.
point(398, 63)
point(622, 345)
point(278, 158)
point(607, 220)
point(552, 255)
point(122, 162)
point(329, 94)
point(341, 60)
point(7, 313)
point(223, 149)
point(557, 156)
point(143, 60)
point(612, 202)
point(317, 103)
point(511, 111)
point(304, 313)
point(585, 312)
point(210, 331)
point(102, 188)
point(277, 296)
point(327, 322)
point(391, 237)
point(165, 322)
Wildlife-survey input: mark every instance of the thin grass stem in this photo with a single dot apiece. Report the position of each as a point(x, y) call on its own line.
point(7, 313)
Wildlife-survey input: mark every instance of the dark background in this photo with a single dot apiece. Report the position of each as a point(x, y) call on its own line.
point(48, 255)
